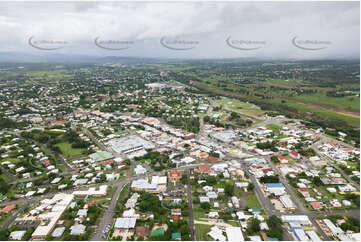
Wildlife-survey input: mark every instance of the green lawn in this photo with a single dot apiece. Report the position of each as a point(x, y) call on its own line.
point(333, 115)
point(252, 201)
point(198, 213)
point(243, 107)
point(350, 103)
point(354, 121)
point(201, 232)
point(274, 127)
point(68, 151)
point(232, 103)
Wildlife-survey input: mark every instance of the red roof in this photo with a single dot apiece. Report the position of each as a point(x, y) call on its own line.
point(213, 159)
point(175, 174)
point(280, 157)
point(316, 205)
point(302, 190)
point(141, 231)
point(203, 167)
point(8, 208)
point(294, 153)
point(348, 149)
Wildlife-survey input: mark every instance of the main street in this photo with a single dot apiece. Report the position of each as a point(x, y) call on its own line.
point(190, 205)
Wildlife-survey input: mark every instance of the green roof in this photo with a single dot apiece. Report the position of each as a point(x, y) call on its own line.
point(121, 132)
point(176, 235)
point(272, 239)
point(158, 231)
point(2, 197)
point(101, 155)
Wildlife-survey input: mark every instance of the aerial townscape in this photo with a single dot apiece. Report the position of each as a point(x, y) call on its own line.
point(179, 121)
point(172, 151)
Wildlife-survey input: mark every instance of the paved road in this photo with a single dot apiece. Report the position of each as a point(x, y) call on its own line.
point(108, 214)
point(15, 215)
point(332, 162)
point(190, 206)
point(67, 166)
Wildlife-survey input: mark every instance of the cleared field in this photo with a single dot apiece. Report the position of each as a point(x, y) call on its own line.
point(351, 120)
point(351, 103)
point(252, 201)
point(68, 151)
point(201, 232)
point(239, 106)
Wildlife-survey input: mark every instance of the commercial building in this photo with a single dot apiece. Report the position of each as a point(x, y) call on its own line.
point(92, 191)
point(129, 144)
point(174, 175)
point(101, 156)
point(125, 223)
point(277, 189)
point(287, 202)
point(57, 205)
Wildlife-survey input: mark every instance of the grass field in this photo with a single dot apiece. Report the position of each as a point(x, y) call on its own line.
point(239, 106)
point(201, 232)
point(333, 115)
point(347, 103)
point(68, 151)
point(252, 201)
point(274, 127)
point(353, 121)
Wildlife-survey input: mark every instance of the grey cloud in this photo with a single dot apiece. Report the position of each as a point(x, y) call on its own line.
point(275, 22)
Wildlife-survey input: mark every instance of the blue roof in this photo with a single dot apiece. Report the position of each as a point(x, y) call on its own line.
point(274, 185)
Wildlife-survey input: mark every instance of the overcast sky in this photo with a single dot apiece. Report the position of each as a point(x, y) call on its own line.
point(264, 29)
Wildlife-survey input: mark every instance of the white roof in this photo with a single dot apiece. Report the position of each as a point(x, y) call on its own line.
point(56, 180)
point(217, 234)
point(300, 234)
point(125, 223)
point(295, 218)
point(255, 238)
point(17, 235)
point(159, 180)
point(313, 235)
point(234, 234)
point(77, 229)
point(58, 232)
point(129, 213)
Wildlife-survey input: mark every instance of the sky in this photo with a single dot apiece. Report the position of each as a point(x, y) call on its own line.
point(299, 30)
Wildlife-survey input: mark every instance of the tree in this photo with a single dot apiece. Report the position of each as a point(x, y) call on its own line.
point(254, 225)
point(205, 206)
point(250, 187)
point(229, 189)
point(317, 181)
point(275, 225)
point(275, 159)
